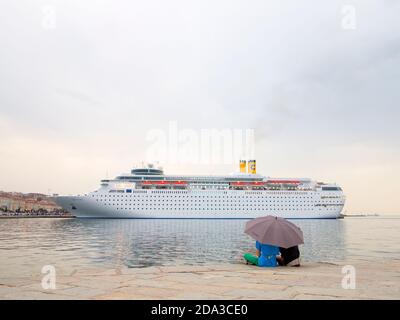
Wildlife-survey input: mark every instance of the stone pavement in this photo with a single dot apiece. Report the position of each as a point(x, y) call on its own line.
point(231, 281)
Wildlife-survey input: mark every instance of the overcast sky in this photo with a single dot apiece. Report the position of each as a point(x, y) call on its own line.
point(83, 82)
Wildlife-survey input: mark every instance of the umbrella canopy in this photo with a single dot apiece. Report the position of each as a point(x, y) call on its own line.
point(274, 231)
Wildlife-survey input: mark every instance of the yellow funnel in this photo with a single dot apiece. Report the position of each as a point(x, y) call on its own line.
point(252, 167)
point(242, 166)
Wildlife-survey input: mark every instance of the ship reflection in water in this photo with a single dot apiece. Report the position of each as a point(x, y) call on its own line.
point(74, 243)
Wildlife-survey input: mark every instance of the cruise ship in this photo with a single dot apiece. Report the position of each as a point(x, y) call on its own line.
point(149, 193)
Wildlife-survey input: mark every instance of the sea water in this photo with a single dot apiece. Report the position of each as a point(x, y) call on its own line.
point(26, 245)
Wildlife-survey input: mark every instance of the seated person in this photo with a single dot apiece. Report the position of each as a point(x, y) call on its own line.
point(266, 255)
point(289, 257)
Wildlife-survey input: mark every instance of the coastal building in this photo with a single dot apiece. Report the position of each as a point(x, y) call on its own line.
point(15, 201)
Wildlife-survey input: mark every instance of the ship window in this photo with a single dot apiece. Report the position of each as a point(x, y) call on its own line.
point(331, 189)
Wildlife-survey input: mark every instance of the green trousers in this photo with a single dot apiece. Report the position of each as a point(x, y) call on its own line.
point(252, 259)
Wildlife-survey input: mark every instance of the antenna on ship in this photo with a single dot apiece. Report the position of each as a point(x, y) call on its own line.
point(157, 165)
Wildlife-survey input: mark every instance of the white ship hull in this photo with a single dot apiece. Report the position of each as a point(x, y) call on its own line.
point(151, 204)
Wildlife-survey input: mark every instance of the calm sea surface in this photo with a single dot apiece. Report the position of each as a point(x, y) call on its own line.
point(28, 244)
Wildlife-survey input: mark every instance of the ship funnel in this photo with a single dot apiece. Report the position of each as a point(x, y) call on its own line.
point(242, 166)
point(251, 167)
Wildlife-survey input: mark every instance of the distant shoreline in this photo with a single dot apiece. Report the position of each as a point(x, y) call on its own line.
point(39, 216)
point(361, 215)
